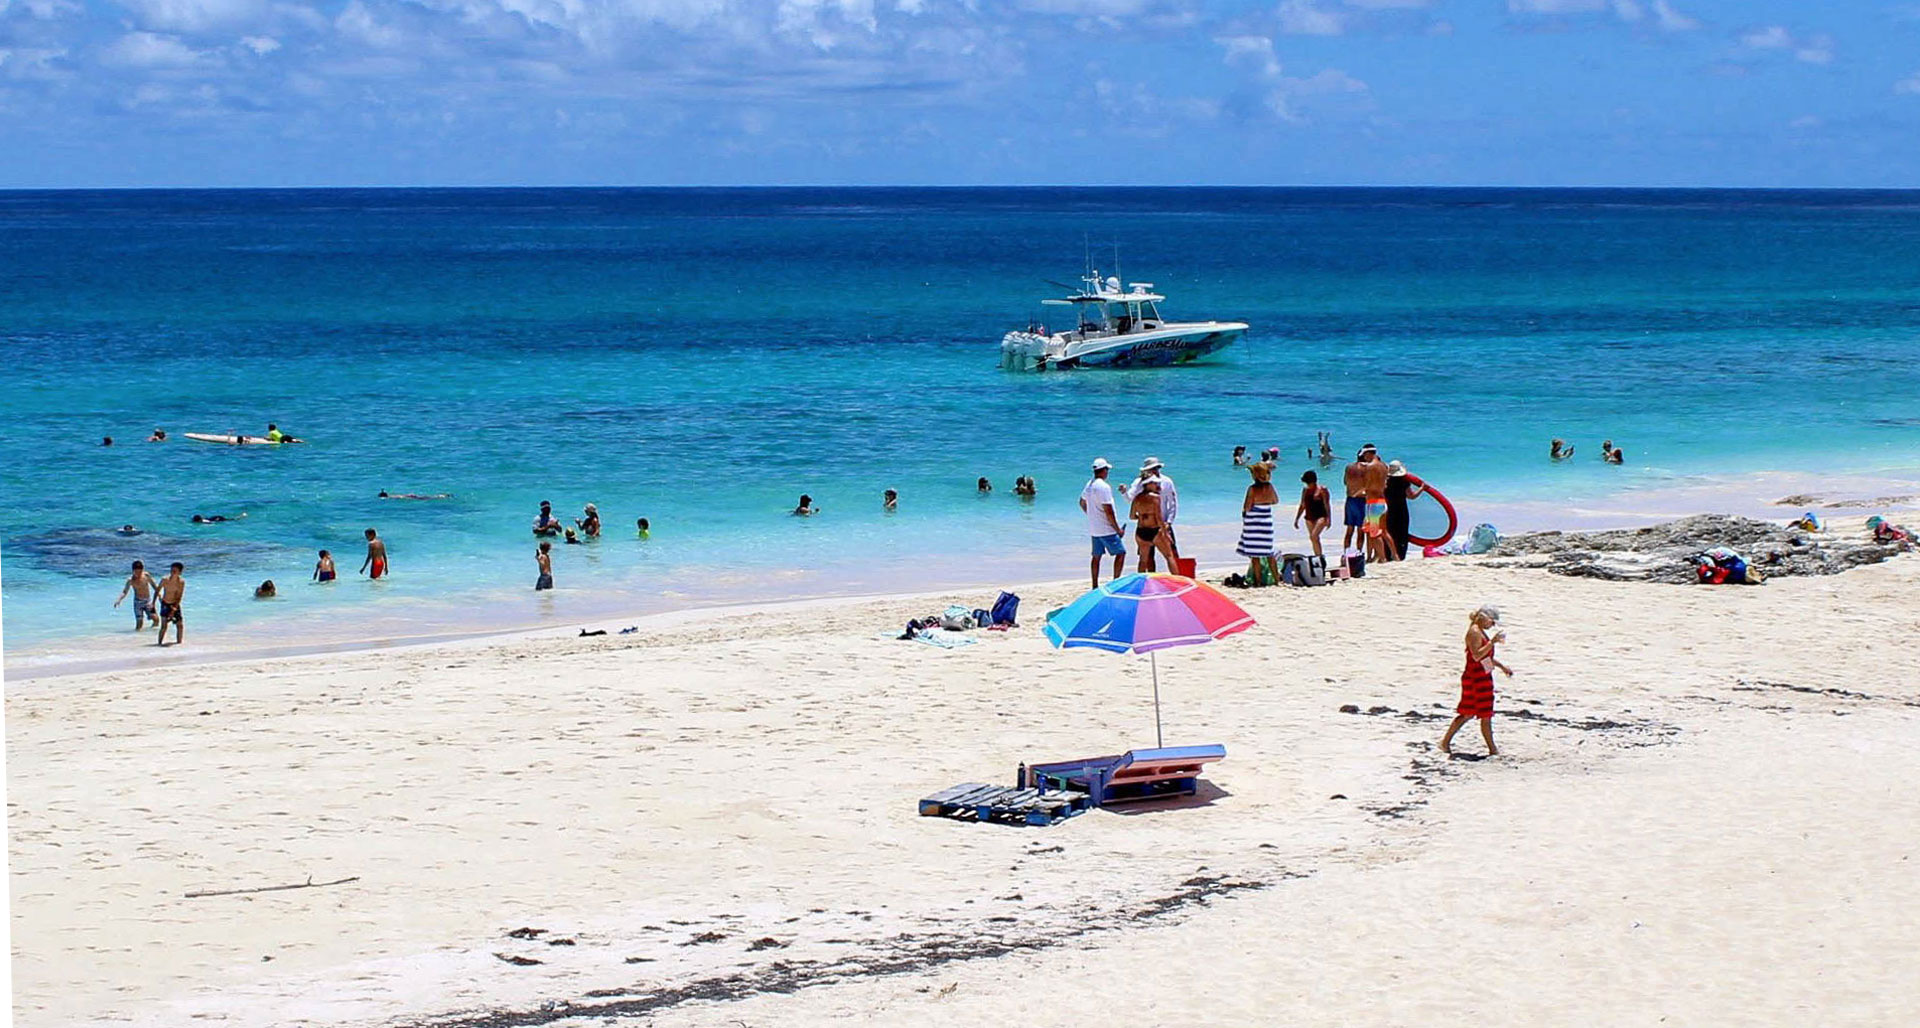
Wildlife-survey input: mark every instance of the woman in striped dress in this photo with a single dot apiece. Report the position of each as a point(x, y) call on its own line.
point(1476, 681)
point(1256, 519)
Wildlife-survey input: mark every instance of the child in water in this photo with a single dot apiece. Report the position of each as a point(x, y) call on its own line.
point(644, 527)
point(323, 570)
point(142, 586)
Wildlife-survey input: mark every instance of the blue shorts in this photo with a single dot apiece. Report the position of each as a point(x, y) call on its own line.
point(1356, 512)
point(1109, 545)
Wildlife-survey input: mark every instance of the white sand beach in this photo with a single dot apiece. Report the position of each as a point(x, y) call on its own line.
point(1703, 814)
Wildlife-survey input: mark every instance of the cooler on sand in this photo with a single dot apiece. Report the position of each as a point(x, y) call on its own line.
point(1185, 567)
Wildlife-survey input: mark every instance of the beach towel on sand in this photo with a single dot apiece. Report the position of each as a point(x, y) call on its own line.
point(942, 640)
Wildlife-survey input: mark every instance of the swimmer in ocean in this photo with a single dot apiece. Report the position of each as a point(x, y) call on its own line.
point(323, 569)
point(644, 528)
point(806, 509)
point(546, 523)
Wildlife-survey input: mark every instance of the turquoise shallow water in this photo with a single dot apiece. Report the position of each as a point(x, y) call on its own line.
point(701, 357)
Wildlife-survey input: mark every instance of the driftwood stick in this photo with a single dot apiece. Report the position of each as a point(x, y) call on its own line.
point(308, 884)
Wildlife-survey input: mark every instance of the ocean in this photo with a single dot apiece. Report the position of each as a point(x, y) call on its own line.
point(702, 357)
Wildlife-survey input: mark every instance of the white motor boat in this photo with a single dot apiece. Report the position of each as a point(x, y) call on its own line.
point(1116, 330)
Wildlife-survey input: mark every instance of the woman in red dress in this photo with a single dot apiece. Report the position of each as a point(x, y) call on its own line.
point(1476, 682)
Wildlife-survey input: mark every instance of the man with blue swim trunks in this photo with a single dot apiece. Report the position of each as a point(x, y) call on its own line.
point(1097, 500)
point(1354, 515)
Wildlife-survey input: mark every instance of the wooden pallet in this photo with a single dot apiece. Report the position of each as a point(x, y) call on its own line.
point(1003, 804)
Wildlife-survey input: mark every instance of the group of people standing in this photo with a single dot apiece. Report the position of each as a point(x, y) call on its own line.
point(1153, 505)
point(1375, 514)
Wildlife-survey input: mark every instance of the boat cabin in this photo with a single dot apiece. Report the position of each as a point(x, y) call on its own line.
point(1103, 310)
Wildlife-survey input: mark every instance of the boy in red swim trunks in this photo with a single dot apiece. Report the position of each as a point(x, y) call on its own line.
point(1476, 681)
point(376, 556)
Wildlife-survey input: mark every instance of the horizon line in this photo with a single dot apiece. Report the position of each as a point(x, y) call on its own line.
point(960, 186)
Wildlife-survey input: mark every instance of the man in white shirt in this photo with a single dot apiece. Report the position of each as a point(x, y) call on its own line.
point(1102, 524)
point(1152, 469)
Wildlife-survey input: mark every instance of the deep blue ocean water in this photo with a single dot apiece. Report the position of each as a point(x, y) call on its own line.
point(701, 357)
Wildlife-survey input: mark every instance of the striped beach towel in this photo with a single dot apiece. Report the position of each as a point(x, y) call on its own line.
point(1256, 532)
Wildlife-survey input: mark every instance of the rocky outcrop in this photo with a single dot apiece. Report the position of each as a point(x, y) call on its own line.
point(1663, 553)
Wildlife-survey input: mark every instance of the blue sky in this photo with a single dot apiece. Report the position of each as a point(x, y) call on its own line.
point(455, 92)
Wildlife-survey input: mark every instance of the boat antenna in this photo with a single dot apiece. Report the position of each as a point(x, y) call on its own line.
point(1116, 264)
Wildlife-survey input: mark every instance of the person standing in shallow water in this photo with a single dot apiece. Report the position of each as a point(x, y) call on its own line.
point(543, 558)
point(173, 590)
point(376, 561)
point(1476, 681)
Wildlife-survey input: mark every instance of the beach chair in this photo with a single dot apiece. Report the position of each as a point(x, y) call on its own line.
point(1133, 775)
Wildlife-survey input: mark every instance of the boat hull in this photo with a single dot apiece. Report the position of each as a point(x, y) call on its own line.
point(1158, 349)
point(1157, 353)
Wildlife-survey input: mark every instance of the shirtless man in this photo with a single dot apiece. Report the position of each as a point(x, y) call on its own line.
point(1374, 483)
point(544, 558)
point(141, 585)
point(376, 556)
point(172, 589)
point(1354, 514)
point(1150, 526)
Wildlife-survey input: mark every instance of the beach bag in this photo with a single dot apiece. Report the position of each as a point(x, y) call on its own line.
point(956, 619)
point(1005, 609)
point(1484, 537)
point(1292, 566)
point(1313, 570)
point(1356, 564)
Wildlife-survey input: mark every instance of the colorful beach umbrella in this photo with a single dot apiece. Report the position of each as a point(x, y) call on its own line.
point(1146, 613)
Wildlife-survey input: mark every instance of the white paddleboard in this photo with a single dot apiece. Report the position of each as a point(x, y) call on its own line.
point(227, 440)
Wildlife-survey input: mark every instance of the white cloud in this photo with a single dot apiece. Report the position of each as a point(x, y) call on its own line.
point(358, 23)
point(1631, 12)
point(1291, 99)
point(262, 45)
point(1254, 52)
point(23, 64)
point(1389, 5)
point(150, 50)
point(1814, 49)
point(44, 10)
point(1303, 18)
point(1672, 20)
point(1772, 37)
point(1557, 6)
point(193, 16)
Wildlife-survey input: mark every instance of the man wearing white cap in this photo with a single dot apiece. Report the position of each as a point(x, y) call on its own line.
point(1097, 500)
point(1152, 469)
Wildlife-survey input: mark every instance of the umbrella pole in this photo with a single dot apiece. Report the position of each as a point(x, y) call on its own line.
point(1154, 659)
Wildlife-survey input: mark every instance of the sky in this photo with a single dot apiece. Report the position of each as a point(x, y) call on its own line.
point(114, 93)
